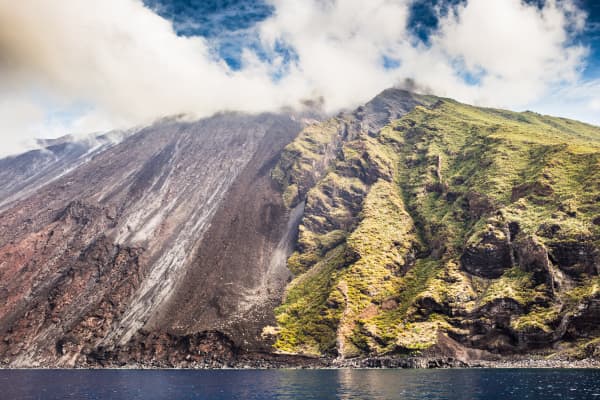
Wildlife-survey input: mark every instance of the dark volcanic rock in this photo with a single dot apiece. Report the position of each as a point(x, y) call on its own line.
point(489, 326)
point(479, 205)
point(488, 258)
point(575, 257)
point(532, 257)
point(206, 349)
point(586, 320)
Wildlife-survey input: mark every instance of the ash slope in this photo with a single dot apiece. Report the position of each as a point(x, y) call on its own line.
point(132, 245)
point(22, 174)
point(413, 226)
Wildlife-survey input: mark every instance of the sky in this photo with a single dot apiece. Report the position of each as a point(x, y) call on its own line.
point(81, 66)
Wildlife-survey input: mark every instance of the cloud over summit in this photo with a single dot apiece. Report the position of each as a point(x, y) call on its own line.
point(84, 65)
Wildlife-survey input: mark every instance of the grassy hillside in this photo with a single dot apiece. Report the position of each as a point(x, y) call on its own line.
point(478, 224)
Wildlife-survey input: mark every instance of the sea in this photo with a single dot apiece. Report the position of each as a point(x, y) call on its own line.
point(451, 384)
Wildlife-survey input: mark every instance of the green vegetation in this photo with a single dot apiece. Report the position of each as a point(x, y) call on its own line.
point(388, 220)
point(305, 160)
point(313, 307)
point(538, 318)
point(515, 284)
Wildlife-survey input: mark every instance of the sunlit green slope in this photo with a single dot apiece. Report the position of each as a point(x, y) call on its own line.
point(474, 224)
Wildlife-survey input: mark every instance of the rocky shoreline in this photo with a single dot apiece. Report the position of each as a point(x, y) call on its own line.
point(419, 363)
point(276, 361)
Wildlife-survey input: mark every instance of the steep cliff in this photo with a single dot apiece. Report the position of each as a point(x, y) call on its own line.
point(449, 229)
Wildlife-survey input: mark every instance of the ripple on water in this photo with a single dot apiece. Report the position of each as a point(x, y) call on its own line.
point(489, 384)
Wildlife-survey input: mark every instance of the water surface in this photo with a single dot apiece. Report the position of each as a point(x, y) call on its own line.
point(458, 384)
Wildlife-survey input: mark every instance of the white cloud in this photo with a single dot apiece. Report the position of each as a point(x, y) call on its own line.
point(580, 101)
point(15, 116)
point(339, 44)
point(121, 58)
point(128, 64)
point(511, 40)
point(521, 49)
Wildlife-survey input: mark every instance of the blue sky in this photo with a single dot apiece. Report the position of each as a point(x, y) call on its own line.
point(79, 66)
point(228, 24)
point(592, 37)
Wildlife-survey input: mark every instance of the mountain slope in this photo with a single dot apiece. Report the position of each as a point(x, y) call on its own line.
point(88, 262)
point(451, 226)
point(22, 174)
point(411, 226)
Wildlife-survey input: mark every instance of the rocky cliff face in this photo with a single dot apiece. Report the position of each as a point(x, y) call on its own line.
point(411, 226)
point(450, 230)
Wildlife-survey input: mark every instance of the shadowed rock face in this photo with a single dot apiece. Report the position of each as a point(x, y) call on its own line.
point(575, 257)
point(489, 258)
point(175, 231)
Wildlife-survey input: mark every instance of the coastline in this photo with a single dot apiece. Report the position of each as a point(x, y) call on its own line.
point(274, 361)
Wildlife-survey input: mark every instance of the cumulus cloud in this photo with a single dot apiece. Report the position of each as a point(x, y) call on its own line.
point(123, 60)
point(122, 57)
point(127, 65)
point(518, 49)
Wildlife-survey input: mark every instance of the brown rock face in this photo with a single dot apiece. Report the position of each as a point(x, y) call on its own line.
point(165, 350)
point(149, 245)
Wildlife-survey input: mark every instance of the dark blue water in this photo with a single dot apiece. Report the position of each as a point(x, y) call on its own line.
point(301, 384)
